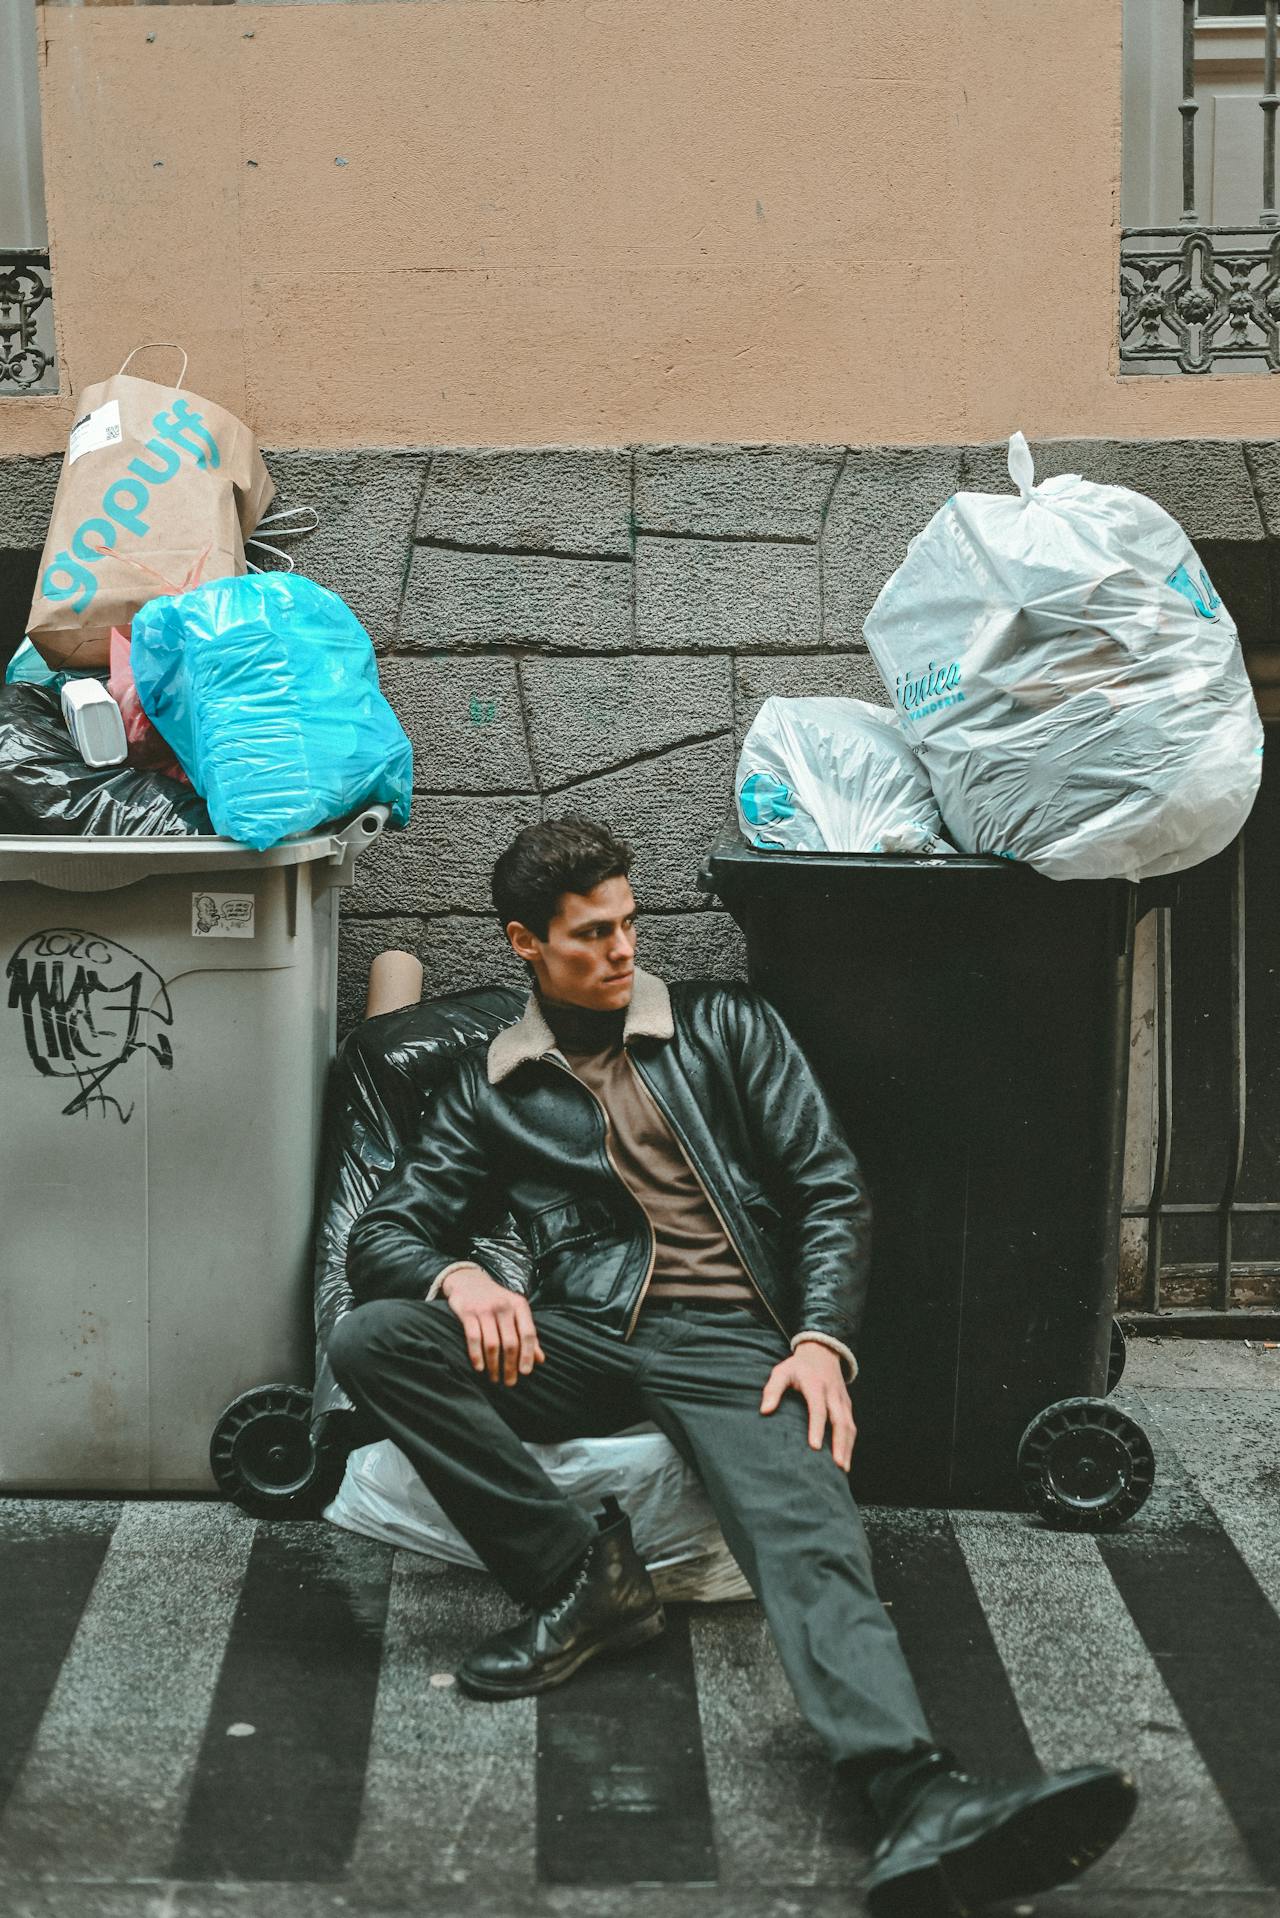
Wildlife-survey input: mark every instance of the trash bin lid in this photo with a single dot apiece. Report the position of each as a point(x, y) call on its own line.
point(70, 864)
point(731, 854)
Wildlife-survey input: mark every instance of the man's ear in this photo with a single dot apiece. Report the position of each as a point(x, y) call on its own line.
point(523, 943)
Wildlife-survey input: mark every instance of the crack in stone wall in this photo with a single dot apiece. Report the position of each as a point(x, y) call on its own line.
point(595, 628)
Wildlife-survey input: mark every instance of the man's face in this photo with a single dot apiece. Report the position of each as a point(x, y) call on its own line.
point(588, 955)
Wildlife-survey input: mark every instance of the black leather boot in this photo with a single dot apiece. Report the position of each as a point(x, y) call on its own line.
point(953, 1844)
point(609, 1607)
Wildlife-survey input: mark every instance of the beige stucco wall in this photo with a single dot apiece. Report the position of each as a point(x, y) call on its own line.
point(601, 221)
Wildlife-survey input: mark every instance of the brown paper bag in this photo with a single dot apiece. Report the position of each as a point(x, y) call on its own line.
point(158, 493)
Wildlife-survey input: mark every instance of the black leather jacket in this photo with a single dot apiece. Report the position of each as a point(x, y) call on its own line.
point(515, 1131)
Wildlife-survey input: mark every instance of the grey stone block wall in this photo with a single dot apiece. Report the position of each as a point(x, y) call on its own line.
point(595, 628)
point(585, 629)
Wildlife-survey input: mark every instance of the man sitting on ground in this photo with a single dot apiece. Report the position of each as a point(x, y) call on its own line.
point(700, 1240)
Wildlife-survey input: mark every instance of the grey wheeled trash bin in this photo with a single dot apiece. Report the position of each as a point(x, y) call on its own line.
point(167, 1017)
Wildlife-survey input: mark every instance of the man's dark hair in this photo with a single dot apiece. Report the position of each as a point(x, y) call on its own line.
point(544, 862)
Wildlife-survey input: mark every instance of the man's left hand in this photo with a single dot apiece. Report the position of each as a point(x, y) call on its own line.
point(815, 1372)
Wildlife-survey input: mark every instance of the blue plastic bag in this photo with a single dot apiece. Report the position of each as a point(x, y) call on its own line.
point(27, 668)
point(266, 687)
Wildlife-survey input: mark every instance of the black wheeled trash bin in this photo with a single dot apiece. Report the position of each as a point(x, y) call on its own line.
point(969, 1019)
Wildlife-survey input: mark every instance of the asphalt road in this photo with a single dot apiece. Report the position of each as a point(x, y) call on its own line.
point(208, 1718)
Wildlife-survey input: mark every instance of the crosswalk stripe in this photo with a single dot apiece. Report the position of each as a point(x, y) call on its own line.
point(922, 1577)
point(449, 1788)
point(1207, 1623)
point(47, 1570)
point(1229, 1445)
point(1053, 1610)
point(280, 1776)
point(102, 1789)
point(622, 1785)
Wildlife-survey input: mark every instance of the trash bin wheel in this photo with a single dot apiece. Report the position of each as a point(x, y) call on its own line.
point(264, 1458)
point(1085, 1465)
point(1117, 1355)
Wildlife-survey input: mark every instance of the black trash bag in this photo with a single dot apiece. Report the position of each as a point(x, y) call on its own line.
point(46, 788)
point(381, 1083)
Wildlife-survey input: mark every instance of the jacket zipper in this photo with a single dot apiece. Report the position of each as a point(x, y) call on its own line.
point(608, 1153)
point(724, 1226)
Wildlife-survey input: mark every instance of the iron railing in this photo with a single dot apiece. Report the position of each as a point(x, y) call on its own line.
point(1196, 298)
point(27, 362)
point(1212, 1256)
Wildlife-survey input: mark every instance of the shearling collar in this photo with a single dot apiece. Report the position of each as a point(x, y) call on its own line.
point(648, 1017)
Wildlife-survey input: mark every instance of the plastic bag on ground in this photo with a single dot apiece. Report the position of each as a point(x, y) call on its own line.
point(266, 687)
point(46, 788)
point(1070, 679)
point(672, 1523)
point(833, 775)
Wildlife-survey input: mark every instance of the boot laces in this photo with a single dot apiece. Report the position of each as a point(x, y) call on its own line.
point(556, 1611)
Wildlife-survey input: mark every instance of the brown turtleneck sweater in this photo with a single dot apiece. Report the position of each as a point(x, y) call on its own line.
point(693, 1258)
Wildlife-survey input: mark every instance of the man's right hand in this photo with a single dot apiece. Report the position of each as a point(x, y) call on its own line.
point(502, 1339)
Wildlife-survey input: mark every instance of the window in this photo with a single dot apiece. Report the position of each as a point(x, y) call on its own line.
point(26, 309)
point(1200, 253)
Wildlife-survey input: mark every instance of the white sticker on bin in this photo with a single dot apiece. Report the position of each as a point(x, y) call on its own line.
point(222, 915)
point(94, 431)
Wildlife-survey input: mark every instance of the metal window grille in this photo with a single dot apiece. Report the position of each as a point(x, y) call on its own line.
point(1197, 298)
point(27, 363)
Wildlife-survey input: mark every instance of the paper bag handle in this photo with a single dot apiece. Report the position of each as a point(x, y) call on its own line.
point(146, 347)
point(289, 523)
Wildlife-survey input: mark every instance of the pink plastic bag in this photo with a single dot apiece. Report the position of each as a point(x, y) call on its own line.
point(147, 747)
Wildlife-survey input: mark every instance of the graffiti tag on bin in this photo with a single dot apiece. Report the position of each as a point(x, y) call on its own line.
point(88, 1005)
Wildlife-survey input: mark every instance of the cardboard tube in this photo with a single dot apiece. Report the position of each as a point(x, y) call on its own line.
point(395, 980)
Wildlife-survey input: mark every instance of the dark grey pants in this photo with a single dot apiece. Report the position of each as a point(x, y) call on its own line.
point(697, 1372)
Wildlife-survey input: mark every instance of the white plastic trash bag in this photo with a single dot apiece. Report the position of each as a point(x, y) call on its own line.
point(1073, 684)
point(833, 775)
point(674, 1528)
